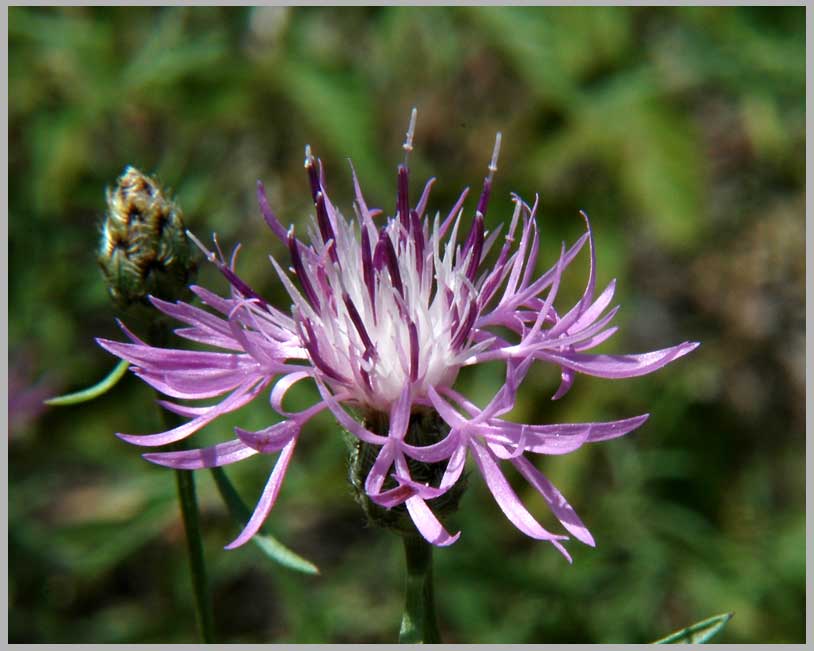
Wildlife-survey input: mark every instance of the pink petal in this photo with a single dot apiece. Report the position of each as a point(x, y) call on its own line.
point(618, 366)
point(599, 305)
point(194, 384)
point(427, 524)
point(271, 219)
point(217, 455)
point(456, 209)
point(615, 429)
point(452, 474)
point(566, 382)
point(508, 501)
point(271, 439)
point(360, 199)
point(450, 416)
point(435, 452)
point(183, 410)
point(353, 426)
point(556, 502)
point(400, 415)
point(378, 472)
point(577, 336)
point(574, 313)
point(204, 336)
point(425, 195)
point(268, 497)
point(528, 442)
point(375, 478)
point(392, 496)
point(221, 304)
point(594, 341)
point(194, 316)
point(601, 431)
point(170, 359)
point(244, 394)
point(281, 388)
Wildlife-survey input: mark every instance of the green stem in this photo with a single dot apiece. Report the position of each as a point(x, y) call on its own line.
point(185, 483)
point(187, 498)
point(418, 624)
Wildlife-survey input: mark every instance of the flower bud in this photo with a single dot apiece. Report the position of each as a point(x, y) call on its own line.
point(144, 248)
point(426, 427)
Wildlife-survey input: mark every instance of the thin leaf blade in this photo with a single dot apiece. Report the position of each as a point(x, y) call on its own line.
point(98, 389)
point(270, 546)
point(698, 633)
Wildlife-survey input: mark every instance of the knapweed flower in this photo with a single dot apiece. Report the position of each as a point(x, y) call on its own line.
point(386, 311)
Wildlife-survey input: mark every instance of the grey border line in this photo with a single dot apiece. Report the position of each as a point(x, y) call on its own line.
point(809, 284)
point(416, 3)
point(4, 254)
point(809, 328)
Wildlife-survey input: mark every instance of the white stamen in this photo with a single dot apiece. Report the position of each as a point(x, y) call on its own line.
point(388, 369)
point(309, 159)
point(217, 246)
point(495, 154)
point(209, 255)
point(408, 142)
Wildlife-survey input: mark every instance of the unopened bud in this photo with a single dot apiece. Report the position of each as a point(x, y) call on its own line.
point(144, 248)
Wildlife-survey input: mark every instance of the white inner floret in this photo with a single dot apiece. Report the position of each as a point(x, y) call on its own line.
point(377, 372)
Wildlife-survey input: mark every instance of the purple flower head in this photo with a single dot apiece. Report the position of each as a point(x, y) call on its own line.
point(386, 311)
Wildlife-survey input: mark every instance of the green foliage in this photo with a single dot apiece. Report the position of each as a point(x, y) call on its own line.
point(91, 393)
point(681, 133)
point(698, 633)
point(269, 545)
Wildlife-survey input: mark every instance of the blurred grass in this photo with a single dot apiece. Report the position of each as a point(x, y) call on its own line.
point(679, 130)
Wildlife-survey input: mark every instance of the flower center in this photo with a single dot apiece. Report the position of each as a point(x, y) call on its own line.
point(388, 308)
point(385, 308)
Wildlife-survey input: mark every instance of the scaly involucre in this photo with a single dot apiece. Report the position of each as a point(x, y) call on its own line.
point(387, 312)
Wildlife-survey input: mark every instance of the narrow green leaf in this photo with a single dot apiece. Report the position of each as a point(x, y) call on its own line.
point(278, 552)
point(270, 546)
point(92, 392)
point(699, 632)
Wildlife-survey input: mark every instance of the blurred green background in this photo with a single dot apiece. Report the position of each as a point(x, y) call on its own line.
point(679, 130)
